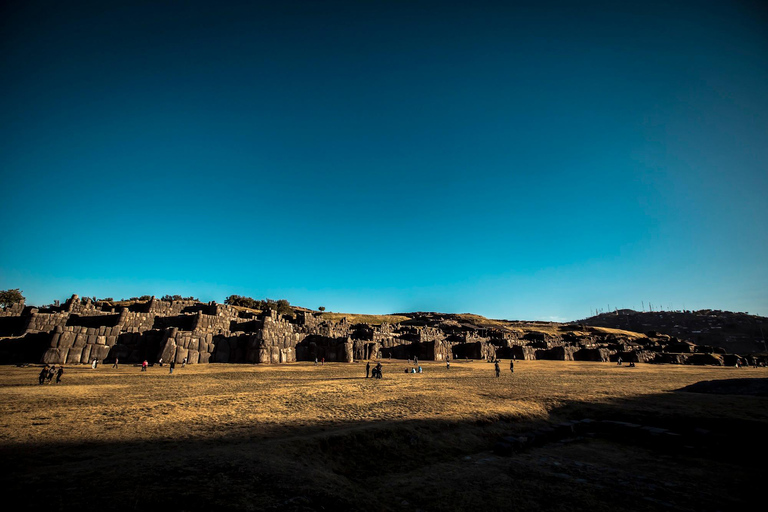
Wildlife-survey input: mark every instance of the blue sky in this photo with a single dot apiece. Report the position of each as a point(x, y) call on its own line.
point(524, 161)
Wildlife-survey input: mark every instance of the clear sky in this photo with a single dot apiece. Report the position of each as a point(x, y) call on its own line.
point(532, 160)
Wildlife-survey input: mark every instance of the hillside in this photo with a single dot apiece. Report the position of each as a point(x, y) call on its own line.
point(739, 333)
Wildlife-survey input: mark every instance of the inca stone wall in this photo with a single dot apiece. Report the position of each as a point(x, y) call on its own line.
point(81, 331)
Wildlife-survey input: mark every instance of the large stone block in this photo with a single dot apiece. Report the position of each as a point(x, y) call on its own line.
point(99, 352)
point(86, 354)
point(205, 357)
point(55, 340)
point(101, 340)
point(67, 339)
point(181, 353)
point(169, 351)
point(111, 341)
point(193, 357)
point(74, 355)
point(55, 356)
point(80, 340)
point(194, 344)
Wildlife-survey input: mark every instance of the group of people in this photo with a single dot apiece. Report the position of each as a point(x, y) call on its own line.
point(48, 372)
point(413, 370)
point(375, 373)
point(497, 368)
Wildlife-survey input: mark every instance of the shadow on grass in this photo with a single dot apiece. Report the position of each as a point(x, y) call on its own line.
point(415, 465)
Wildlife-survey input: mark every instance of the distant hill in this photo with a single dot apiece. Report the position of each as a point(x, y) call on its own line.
point(738, 333)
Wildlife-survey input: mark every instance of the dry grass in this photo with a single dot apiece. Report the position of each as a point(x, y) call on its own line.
point(267, 434)
point(365, 319)
point(208, 401)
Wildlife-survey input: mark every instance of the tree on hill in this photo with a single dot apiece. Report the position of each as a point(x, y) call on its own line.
point(282, 306)
point(10, 297)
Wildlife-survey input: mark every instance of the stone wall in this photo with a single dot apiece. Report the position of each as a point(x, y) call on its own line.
point(81, 331)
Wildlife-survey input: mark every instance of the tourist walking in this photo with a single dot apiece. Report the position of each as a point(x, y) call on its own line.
point(117, 361)
point(43, 375)
point(51, 373)
point(498, 370)
point(184, 363)
point(59, 374)
point(367, 369)
point(512, 366)
point(172, 366)
point(315, 361)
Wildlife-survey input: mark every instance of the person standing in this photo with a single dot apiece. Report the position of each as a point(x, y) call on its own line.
point(184, 363)
point(367, 369)
point(498, 370)
point(144, 365)
point(512, 365)
point(51, 373)
point(315, 361)
point(59, 374)
point(43, 374)
point(172, 366)
point(93, 364)
point(323, 362)
point(117, 361)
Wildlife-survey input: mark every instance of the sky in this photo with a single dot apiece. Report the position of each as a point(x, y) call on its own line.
point(519, 160)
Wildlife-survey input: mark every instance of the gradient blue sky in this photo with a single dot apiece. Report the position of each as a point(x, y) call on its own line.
point(530, 160)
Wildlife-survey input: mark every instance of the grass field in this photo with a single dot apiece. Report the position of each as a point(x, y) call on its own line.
point(306, 437)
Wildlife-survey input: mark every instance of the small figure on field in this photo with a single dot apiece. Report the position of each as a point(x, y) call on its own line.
point(498, 370)
point(94, 363)
point(631, 364)
point(51, 373)
point(117, 361)
point(512, 365)
point(377, 371)
point(160, 361)
point(415, 360)
point(419, 369)
point(367, 369)
point(315, 361)
point(184, 362)
point(43, 374)
point(447, 365)
point(618, 361)
point(323, 362)
point(59, 374)
point(172, 366)
point(144, 365)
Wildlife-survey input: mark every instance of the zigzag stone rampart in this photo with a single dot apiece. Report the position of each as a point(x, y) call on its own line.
point(81, 331)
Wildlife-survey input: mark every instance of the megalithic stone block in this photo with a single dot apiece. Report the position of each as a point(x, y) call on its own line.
point(99, 352)
point(85, 354)
point(181, 353)
point(74, 354)
point(169, 350)
point(55, 356)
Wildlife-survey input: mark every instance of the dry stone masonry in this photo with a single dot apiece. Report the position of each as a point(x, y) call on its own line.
point(81, 331)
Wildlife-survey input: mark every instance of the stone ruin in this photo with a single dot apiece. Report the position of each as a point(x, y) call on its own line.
point(80, 331)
